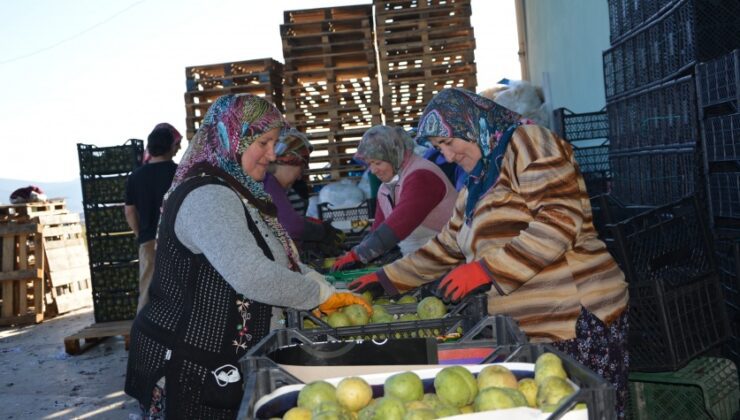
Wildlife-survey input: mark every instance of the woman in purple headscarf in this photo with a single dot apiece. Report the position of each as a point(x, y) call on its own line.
point(222, 262)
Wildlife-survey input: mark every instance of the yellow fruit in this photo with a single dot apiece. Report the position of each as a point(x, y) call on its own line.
point(354, 393)
point(338, 319)
point(406, 299)
point(357, 314)
point(552, 390)
point(389, 408)
point(528, 387)
point(497, 376)
point(298, 413)
point(467, 409)
point(548, 364)
point(493, 399)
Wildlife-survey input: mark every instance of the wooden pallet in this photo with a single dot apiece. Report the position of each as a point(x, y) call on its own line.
point(96, 333)
point(25, 212)
point(67, 265)
point(327, 13)
point(22, 275)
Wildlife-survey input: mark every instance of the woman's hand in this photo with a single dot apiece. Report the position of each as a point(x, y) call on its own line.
point(348, 260)
point(464, 280)
point(342, 299)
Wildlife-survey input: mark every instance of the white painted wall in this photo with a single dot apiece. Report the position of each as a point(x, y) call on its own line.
point(565, 40)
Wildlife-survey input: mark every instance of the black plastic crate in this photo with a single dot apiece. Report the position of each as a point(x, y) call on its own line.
point(112, 248)
point(727, 249)
point(585, 126)
point(106, 219)
point(676, 302)
point(661, 116)
point(110, 278)
point(722, 139)
point(489, 333)
point(104, 189)
point(110, 160)
point(724, 193)
point(460, 318)
point(653, 178)
point(626, 16)
point(691, 31)
point(718, 81)
point(592, 158)
point(359, 213)
point(263, 376)
point(115, 306)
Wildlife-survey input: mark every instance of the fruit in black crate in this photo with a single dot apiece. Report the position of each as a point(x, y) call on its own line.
point(338, 320)
point(407, 299)
point(552, 391)
point(528, 387)
point(356, 314)
point(547, 365)
point(498, 398)
point(431, 307)
point(297, 413)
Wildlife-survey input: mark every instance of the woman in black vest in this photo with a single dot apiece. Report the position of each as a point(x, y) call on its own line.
point(222, 261)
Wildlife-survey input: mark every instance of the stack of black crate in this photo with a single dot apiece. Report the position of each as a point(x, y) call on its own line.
point(651, 92)
point(718, 91)
point(111, 244)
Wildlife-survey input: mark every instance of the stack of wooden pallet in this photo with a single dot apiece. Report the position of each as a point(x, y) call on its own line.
point(44, 262)
point(331, 86)
point(262, 77)
point(424, 46)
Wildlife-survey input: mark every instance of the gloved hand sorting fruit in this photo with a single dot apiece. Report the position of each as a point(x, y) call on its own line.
point(520, 230)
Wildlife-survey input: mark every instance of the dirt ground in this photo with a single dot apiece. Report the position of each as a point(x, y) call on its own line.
point(39, 380)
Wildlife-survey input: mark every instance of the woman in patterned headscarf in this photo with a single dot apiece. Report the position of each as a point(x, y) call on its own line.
point(522, 229)
point(222, 262)
point(414, 201)
point(292, 152)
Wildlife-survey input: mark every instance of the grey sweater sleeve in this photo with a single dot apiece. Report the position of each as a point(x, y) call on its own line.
point(211, 221)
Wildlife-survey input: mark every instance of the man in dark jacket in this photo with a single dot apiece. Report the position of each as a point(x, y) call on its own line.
point(144, 192)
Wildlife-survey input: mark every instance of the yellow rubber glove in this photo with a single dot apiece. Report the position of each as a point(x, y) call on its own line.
point(340, 300)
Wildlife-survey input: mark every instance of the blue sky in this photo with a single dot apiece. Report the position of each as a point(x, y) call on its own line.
point(101, 72)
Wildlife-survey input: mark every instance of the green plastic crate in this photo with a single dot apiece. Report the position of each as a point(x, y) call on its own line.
point(348, 276)
point(706, 388)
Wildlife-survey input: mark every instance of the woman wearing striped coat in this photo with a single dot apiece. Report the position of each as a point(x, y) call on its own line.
point(521, 229)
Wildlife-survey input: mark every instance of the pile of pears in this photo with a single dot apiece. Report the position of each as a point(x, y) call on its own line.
point(457, 391)
point(355, 315)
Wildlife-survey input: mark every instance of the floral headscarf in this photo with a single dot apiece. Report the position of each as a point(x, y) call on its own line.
point(232, 123)
point(293, 148)
point(389, 144)
point(458, 113)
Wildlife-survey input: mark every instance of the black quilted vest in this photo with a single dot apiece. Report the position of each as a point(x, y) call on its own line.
point(195, 324)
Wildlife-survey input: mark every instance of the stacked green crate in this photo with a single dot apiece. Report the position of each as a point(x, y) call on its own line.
point(707, 388)
point(111, 244)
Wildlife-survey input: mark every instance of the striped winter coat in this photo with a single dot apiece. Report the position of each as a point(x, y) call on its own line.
point(534, 231)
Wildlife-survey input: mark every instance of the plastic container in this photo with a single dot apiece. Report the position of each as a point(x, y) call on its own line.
point(106, 219)
point(722, 139)
point(460, 318)
point(104, 190)
point(110, 160)
point(653, 177)
point(718, 81)
point(724, 192)
point(112, 248)
point(110, 278)
point(115, 306)
point(576, 127)
point(264, 376)
point(669, 46)
point(662, 116)
point(676, 302)
point(626, 16)
point(707, 388)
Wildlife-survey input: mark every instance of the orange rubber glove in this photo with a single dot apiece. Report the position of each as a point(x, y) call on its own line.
point(342, 299)
point(464, 280)
point(350, 259)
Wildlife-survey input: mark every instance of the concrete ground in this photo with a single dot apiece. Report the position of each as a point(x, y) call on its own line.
point(39, 380)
